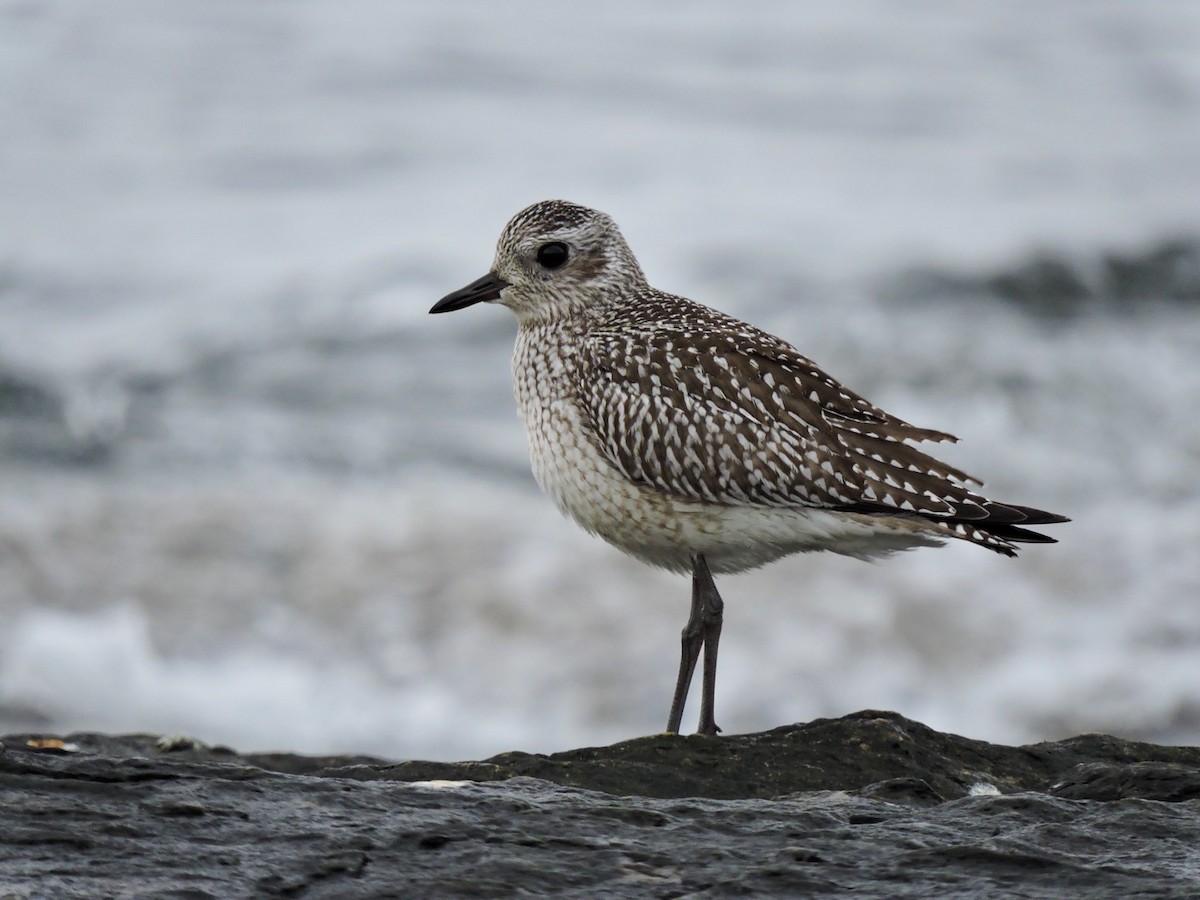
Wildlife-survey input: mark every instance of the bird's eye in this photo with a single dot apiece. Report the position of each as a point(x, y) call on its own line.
point(553, 255)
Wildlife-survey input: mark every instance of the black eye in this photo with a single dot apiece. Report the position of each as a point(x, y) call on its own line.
point(553, 255)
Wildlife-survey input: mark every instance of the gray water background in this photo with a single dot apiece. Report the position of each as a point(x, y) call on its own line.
point(249, 490)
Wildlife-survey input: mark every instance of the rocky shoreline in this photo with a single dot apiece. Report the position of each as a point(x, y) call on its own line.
point(871, 804)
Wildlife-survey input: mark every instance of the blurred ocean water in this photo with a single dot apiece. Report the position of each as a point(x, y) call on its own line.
point(249, 490)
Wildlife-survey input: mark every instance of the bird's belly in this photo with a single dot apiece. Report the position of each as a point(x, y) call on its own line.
point(669, 531)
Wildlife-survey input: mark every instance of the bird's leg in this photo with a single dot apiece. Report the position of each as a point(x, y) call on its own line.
point(712, 613)
point(703, 625)
point(692, 641)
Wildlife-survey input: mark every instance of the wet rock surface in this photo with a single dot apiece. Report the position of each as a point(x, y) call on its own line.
point(870, 804)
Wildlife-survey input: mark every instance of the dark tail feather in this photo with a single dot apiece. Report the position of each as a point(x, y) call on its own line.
point(1008, 524)
point(1038, 516)
point(1019, 535)
point(1003, 521)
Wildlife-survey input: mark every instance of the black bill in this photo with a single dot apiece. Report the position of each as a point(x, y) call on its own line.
point(486, 288)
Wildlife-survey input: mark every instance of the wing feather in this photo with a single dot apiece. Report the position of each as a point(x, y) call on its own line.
point(705, 407)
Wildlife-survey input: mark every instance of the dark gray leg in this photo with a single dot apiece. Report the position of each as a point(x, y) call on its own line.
point(713, 615)
point(703, 630)
point(692, 641)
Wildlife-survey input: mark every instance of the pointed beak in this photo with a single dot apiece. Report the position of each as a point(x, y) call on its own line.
point(486, 288)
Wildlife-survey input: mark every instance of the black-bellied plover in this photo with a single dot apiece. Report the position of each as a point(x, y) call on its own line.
point(696, 442)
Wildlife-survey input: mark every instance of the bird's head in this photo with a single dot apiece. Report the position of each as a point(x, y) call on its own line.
point(553, 260)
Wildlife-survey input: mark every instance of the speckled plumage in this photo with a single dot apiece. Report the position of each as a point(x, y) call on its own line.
point(678, 433)
point(669, 428)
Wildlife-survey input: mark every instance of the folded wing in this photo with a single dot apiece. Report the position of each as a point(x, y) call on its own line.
point(708, 408)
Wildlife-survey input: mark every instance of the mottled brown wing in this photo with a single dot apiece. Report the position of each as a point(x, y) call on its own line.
point(713, 409)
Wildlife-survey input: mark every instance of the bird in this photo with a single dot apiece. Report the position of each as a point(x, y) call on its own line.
point(698, 443)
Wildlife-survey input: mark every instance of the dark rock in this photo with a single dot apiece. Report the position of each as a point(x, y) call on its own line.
point(1171, 782)
point(871, 805)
